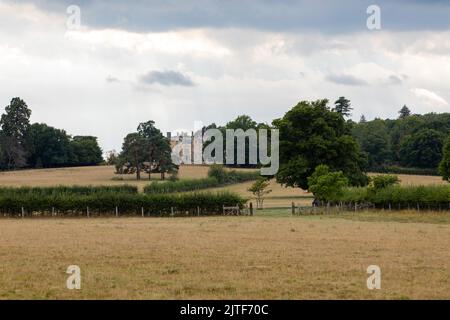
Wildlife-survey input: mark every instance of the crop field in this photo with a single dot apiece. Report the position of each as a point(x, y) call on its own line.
point(271, 255)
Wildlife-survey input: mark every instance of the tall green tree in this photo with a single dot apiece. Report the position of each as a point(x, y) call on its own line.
point(444, 166)
point(146, 150)
point(343, 106)
point(157, 150)
point(133, 153)
point(86, 151)
point(422, 149)
point(49, 147)
point(404, 112)
point(245, 123)
point(15, 124)
point(310, 135)
point(374, 139)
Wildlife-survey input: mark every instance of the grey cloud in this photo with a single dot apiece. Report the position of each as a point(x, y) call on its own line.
point(394, 80)
point(111, 79)
point(346, 79)
point(166, 78)
point(329, 16)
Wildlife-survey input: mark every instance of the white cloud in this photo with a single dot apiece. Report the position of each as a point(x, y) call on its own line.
point(429, 97)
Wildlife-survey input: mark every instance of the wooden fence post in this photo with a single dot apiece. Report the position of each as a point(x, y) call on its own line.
point(87, 211)
point(117, 212)
point(142, 211)
point(223, 210)
point(53, 211)
point(23, 212)
point(251, 208)
point(293, 208)
point(198, 211)
point(171, 211)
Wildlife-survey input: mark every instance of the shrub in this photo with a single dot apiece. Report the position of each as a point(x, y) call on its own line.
point(217, 171)
point(259, 190)
point(325, 184)
point(174, 177)
point(383, 181)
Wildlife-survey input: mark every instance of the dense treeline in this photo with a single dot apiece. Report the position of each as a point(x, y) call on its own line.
point(411, 141)
point(105, 203)
point(37, 145)
point(217, 177)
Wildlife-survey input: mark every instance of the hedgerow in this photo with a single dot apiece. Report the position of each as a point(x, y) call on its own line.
point(405, 170)
point(217, 177)
point(125, 203)
point(181, 185)
point(59, 190)
point(398, 197)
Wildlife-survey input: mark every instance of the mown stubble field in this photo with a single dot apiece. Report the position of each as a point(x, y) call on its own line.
point(268, 256)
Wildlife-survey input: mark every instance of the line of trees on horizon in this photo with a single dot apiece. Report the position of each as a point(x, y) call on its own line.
point(38, 145)
point(311, 133)
point(410, 141)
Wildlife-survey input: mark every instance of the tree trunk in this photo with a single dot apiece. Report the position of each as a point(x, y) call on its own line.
point(138, 172)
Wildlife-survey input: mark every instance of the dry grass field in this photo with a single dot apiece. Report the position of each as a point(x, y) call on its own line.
point(268, 256)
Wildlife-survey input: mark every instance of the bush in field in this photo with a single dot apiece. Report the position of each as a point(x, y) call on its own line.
point(325, 184)
point(104, 203)
point(218, 172)
point(223, 176)
point(174, 177)
point(383, 181)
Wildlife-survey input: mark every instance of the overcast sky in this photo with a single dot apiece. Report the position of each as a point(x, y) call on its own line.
point(176, 62)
